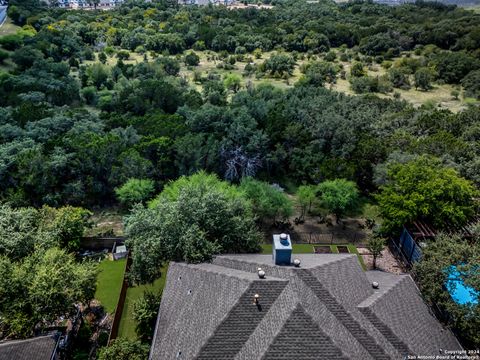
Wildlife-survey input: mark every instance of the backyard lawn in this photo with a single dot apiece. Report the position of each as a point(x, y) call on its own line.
point(127, 324)
point(109, 283)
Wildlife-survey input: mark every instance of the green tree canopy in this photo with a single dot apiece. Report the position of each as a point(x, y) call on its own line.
point(424, 189)
point(432, 273)
point(191, 220)
point(135, 191)
point(41, 288)
point(338, 196)
point(122, 348)
point(145, 311)
point(268, 202)
point(306, 195)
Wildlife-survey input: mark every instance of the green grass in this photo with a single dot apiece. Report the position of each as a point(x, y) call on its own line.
point(308, 249)
point(109, 283)
point(127, 324)
point(8, 28)
point(353, 250)
point(297, 249)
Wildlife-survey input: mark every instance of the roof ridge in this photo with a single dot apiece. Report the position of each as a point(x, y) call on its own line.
point(378, 295)
point(216, 269)
point(295, 327)
point(343, 315)
point(241, 321)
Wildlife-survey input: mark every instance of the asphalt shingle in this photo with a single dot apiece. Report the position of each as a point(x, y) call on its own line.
point(326, 309)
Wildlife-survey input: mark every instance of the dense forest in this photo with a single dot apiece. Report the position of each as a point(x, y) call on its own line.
point(96, 110)
point(71, 133)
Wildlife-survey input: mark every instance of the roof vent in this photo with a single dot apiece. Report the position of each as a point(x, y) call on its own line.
point(296, 262)
point(261, 273)
point(256, 298)
point(179, 354)
point(282, 249)
point(375, 285)
point(189, 291)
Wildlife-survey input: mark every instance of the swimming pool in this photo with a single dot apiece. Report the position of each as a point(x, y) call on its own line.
point(462, 294)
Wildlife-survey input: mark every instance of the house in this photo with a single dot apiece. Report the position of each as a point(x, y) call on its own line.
point(80, 4)
point(38, 348)
point(317, 306)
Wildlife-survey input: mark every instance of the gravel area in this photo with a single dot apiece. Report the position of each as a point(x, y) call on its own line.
point(385, 262)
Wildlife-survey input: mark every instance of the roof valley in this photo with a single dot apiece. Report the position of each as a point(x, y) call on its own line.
point(234, 331)
point(343, 316)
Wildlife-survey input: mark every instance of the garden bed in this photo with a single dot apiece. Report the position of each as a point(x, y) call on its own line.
point(343, 249)
point(325, 249)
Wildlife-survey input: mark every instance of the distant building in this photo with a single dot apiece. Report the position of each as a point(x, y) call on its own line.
point(318, 306)
point(80, 4)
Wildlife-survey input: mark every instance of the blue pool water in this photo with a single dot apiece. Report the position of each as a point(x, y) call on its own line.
point(461, 293)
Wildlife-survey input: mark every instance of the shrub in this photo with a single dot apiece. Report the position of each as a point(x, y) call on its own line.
point(192, 59)
point(135, 191)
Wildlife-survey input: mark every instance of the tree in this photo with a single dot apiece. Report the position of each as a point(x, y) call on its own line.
point(123, 55)
point(102, 57)
point(317, 73)
point(66, 225)
point(278, 65)
point(232, 82)
point(3, 56)
point(43, 287)
point(18, 231)
point(192, 219)
point(338, 196)
point(145, 311)
point(432, 272)
point(268, 202)
point(122, 348)
point(135, 191)
point(424, 189)
point(471, 84)
point(192, 59)
point(357, 70)
point(375, 245)
point(399, 77)
point(423, 78)
point(306, 196)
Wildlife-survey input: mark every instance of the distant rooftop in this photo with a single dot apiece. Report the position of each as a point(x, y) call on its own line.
point(326, 308)
point(38, 348)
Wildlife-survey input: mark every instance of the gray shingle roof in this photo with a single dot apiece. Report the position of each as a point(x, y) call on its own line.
point(39, 348)
point(326, 309)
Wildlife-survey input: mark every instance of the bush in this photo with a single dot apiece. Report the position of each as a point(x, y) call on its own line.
point(145, 311)
point(471, 83)
point(124, 349)
point(11, 42)
point(192, 59)
point(3, 56)
point(135, 191)
point(123, 55)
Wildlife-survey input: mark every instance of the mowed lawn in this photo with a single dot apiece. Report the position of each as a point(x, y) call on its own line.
point(109, 283)
point(127, 324)
point(308, 249)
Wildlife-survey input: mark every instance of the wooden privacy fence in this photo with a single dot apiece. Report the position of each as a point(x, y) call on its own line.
point(327, 238)
point(100, 243)
point(121, 302)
